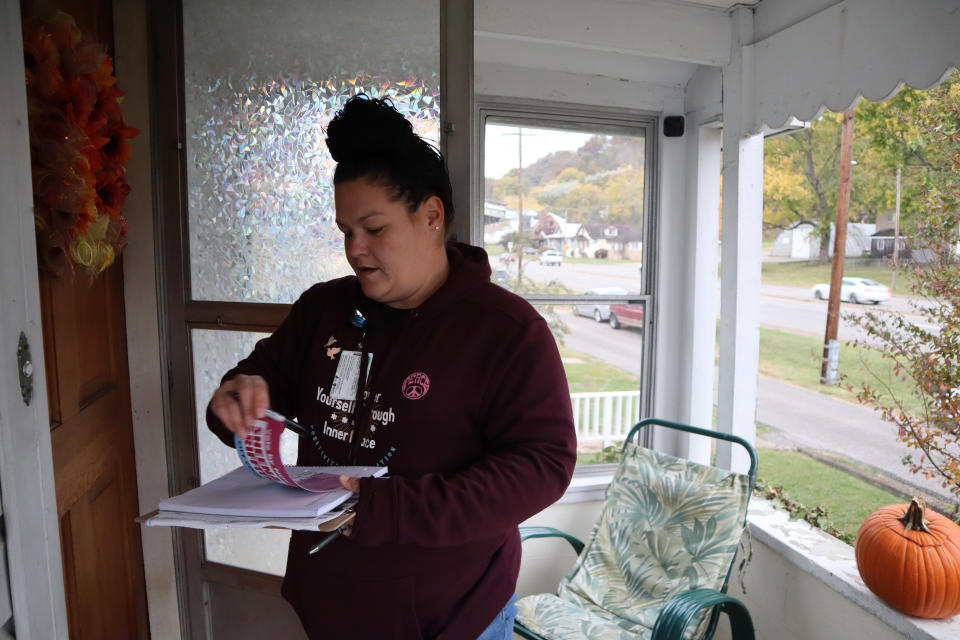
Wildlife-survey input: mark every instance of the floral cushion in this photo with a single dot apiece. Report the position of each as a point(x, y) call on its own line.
point(668, 526)
point(555, 619)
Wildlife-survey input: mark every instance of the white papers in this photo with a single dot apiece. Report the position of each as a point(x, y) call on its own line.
point(265, 492)
point(241, 493)
point(206, 520)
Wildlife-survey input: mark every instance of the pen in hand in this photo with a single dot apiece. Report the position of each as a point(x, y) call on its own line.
point(296, 427)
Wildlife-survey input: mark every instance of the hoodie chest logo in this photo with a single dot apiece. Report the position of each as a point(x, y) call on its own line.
point(416, 385)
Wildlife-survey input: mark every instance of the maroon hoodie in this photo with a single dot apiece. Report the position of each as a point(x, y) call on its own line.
point(467, 404)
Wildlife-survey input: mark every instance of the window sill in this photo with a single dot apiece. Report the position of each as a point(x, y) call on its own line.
point(589, 482)
point(833, 563)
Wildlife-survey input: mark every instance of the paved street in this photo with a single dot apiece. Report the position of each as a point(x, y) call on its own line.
point(809, 419)
point(781, 307)
point(620, 347)
point(794, 309)
point(798, 417)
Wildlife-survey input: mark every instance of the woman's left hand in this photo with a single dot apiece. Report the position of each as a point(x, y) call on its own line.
point(350, 484)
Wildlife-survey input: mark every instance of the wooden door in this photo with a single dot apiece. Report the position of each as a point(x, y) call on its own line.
point(92, 439)
point(88, 389)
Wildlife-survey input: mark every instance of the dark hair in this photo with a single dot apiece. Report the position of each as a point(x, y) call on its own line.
point(370, 139)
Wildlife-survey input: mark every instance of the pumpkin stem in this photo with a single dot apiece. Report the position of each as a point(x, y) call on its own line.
point(913, 519)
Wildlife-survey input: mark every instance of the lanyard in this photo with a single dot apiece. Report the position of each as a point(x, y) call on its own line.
point(362, 389)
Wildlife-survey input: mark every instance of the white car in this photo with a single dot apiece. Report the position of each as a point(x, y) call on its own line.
point(597, 310)
point(551, 257)
point(855, 290)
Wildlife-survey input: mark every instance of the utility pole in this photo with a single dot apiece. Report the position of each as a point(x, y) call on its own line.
point(896, 234)
point(519, 208)
point(831, 348)
point(519, 135)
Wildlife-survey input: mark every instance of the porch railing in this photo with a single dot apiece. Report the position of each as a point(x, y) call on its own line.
point(605, 416)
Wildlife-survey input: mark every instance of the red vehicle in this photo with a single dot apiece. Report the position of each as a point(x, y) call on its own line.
point(626, 315)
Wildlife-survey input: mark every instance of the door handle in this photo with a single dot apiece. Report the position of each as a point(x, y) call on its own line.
point(25, 369)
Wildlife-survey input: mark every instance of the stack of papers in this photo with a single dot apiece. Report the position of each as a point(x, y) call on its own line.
point(264, 492)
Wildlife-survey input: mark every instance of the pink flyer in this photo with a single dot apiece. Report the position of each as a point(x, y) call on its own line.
point(260, 452)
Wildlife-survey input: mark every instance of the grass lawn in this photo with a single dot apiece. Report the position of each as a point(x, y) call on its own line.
point(807, 274)
point(796, 359)
point(586, 373)
point(848, 499)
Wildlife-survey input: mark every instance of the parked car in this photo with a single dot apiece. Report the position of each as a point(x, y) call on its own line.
point(626, 315)
point(599, 311)
point(500, 276)
point(551, 257)
point(855, 290)
point(530, 251)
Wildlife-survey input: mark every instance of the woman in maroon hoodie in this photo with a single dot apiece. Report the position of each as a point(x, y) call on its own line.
point(464, 399)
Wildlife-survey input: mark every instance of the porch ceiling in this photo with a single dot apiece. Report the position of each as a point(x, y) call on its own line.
point(555, 56)
point(661, 42)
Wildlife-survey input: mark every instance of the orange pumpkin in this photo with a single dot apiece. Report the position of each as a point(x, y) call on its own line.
point(910, 559)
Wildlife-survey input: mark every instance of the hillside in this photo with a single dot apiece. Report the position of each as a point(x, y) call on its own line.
point(602, 181)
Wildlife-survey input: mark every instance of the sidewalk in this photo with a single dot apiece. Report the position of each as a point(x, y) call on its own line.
point(814, 421)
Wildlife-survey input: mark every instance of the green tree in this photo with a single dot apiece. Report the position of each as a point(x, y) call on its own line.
point(801, 170)
point(913, 131)
point(623, 192)
point(568, 174)
point(800, 178)
point(926, 352)
point(583, 203)
point(505, 186)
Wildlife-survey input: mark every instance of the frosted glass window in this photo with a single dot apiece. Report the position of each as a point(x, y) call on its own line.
point(261, 82)
point(214, 352)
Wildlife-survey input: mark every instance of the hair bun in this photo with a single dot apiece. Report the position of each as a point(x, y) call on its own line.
point(366, 125)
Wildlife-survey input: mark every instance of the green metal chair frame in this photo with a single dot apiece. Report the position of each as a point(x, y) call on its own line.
point(681, 609)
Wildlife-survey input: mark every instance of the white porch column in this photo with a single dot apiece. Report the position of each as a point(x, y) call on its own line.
point(740, 250)
point(704, 201)
point(672, 290)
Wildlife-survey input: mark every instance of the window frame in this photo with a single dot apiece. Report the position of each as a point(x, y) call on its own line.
point(611, 120)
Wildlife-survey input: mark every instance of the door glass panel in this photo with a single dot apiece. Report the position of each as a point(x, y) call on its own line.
point(582, 196)
point(214, 353)
point(261, 82)
point(603, 361)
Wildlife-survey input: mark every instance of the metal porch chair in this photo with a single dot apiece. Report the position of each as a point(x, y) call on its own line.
point(658, 561)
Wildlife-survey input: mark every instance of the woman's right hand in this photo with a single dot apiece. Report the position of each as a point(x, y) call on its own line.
point(239, 402)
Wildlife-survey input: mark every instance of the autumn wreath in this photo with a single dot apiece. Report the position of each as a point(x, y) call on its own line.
point(79, 147)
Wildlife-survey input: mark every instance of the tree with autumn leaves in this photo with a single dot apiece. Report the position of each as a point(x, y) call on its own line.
point(801, 170)
point(602, 181)
point(921, 130)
